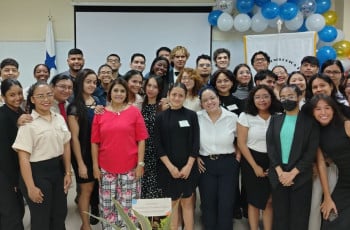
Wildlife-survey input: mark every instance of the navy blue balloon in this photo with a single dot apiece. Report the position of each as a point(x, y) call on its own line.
point(322, 6)
point(328, 34)
point(325, 53)
point(244, 6)
point(213, 17)
point(302, 28)
point(288, 11)
point(260, 3)
point(270, 10)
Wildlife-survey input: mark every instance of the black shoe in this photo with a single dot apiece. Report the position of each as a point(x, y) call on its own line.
point(95, 212)
point(76, 199)
point(237, 214)
point(245, 212)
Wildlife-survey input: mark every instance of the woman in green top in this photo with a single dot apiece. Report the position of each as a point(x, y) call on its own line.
point(292, 140)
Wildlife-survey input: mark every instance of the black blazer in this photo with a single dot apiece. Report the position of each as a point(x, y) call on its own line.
point(303, 150)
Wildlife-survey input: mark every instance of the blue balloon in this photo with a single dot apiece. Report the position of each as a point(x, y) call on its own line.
point(322, 6)
point(325, 53)
point(260, 3)
point(328, 34)
point(213, 17)
point(293, 1)
point(270, 10)
point(302, 28)
point(288, 11)
point(244, 6)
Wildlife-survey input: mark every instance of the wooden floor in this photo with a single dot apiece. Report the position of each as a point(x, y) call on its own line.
point(73, 220)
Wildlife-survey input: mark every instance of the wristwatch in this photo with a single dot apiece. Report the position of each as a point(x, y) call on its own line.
point(141, 163)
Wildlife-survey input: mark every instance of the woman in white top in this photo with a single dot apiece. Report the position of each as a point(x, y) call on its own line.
point(44, 158)
point(193, 82)
point(218, 161)
point(251, 138)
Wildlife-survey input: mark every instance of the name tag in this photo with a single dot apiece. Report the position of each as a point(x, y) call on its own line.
point(232, 107)
point(184, 123)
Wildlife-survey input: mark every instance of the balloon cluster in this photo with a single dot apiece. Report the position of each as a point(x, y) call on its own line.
point(296, 15)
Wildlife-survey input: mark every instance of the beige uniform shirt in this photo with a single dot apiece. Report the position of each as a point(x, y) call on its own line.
point(41, 138)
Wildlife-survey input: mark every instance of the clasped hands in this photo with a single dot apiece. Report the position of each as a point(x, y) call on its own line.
point(286, 178)
point(180, 174)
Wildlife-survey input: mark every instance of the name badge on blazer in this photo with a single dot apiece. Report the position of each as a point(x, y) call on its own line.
point(184, 123)
point(232, 107)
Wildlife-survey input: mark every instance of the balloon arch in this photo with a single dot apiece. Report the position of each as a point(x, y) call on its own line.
point(296, 15)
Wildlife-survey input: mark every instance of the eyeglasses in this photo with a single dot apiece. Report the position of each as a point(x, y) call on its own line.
point(113, 60)
point(42, 97)
point(259, 60)
point(204, 65)
point(335, 72)
point(290, 97)
point(106, 72)
point(244, 72)
point(186, 78)
point(65, 87)
point(262, 97)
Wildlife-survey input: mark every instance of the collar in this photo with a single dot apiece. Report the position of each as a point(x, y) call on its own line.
point(36, 115)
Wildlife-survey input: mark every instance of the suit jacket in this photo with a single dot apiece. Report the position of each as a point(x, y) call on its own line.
point(303, 150)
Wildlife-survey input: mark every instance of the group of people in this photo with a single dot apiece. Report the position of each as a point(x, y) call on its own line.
point(172, 130)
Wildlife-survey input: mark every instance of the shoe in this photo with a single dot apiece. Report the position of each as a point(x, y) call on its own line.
point(95, 212)
point(245, 212)
point(237, 214)
point(76, 199)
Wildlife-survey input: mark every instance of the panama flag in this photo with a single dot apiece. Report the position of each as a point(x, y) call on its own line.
point(50, 60)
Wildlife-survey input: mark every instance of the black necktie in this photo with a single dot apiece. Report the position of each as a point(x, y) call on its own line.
point(177, 73)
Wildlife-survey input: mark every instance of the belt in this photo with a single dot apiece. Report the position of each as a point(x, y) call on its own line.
point(214, 157)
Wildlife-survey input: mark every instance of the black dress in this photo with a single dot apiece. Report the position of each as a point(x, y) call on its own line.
point(84, 140)
point(149, 183)
point(335, 143)
point(177, 136)
point(11, 199)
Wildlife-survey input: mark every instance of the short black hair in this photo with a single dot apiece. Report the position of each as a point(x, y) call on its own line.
point(134, 55)
point(310, 59)
point(203, 56)
point(161, 49)
point(9, 61)
point(267, 57)
point(75, 51)
point(261, 75)
point(113, 55)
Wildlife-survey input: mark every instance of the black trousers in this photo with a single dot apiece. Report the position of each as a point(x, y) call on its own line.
point(11, 206)
point(217, 192)
point(291, 207)
point(51, 213)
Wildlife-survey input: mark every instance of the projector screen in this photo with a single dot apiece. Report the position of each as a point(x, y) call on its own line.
point(100, 31)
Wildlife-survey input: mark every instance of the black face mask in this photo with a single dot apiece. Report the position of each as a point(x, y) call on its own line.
point(289, 105)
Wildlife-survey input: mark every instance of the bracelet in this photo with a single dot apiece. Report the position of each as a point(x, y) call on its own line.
point(68, 173)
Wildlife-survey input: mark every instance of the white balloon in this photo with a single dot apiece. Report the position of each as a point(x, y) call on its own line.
point(259, 23)
point(279, 2)
point(242, 22)
point(321, 43)
point(273, 22)
point(346, 64)
point(315, 22)
point(340, 36)
point(295, 23)
point(225, 22)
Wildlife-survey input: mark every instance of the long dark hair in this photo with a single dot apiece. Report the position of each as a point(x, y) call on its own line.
point(30, 105)
point(227, 73)
point(159, 58)
point(79, 101)
point(338, 117)
point(235, 71)
point(159, 81)
point(251, 108)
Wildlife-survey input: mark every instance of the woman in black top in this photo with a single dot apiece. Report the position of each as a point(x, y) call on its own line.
point(177, 144)
point(11, 200)
point(335, 145)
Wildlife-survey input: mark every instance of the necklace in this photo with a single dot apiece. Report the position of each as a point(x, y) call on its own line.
point(118, 110)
